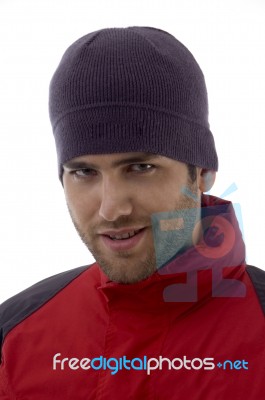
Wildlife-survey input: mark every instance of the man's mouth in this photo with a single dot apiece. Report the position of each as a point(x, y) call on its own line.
point(123, 239)
point(124, 235)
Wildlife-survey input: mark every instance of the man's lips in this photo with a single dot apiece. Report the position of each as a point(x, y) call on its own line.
point(122, 244)
point(113, 232)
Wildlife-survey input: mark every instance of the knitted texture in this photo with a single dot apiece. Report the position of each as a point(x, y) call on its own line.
point(135, 89)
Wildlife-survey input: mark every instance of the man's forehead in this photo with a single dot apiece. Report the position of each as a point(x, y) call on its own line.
point(114, 159)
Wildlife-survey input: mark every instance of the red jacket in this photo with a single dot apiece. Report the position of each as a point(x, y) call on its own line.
point(150, 341)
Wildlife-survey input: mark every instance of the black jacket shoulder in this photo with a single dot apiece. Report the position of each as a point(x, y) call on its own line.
point(257, 277)
point(17, 308)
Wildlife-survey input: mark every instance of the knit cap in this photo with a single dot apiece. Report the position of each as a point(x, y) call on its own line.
point(135, 89)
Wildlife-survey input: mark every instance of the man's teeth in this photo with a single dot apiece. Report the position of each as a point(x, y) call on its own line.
point(124, 235)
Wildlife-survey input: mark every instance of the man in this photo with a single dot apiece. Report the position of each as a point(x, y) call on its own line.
point(169, 310)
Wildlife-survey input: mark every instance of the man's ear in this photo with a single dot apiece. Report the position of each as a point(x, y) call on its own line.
point(206, 179)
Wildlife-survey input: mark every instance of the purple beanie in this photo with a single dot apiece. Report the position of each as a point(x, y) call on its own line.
point(135, 89)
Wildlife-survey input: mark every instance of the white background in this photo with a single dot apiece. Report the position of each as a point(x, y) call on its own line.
point(227, 37)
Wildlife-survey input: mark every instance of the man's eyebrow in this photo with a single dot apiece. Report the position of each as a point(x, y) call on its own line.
point(72, 164)
point(77, 165)
point(135, 159)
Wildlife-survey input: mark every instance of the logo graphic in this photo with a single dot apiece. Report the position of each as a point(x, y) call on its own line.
point(176, 233)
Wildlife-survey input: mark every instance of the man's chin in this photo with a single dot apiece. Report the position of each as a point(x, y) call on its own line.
point(125, 274)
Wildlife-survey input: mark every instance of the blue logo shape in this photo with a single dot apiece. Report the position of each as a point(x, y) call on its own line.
point(173, 235)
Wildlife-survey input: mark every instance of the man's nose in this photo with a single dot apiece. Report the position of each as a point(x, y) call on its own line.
point(115, 200)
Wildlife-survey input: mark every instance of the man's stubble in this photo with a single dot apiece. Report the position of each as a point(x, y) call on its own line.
point(121, 268)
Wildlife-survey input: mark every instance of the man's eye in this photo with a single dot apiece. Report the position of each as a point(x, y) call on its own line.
point(85, 172)
point(141, 167)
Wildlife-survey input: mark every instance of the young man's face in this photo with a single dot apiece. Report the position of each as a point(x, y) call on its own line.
point(111, 197)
